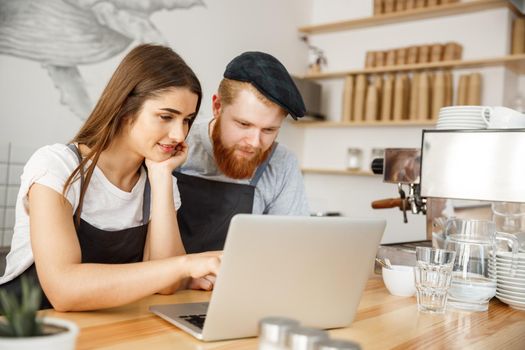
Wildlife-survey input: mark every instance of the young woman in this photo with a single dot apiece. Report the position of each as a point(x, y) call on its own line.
point(96, 220)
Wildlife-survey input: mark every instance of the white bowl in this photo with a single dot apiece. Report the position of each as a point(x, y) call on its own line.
point(400, 280)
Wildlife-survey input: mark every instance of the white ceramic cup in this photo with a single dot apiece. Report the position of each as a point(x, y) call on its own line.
point(400, 280)
point(504, 118)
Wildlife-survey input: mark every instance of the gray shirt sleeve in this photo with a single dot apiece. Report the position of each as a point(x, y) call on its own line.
point(281, 188)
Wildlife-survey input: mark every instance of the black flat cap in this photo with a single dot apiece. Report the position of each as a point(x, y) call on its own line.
point(269, 76)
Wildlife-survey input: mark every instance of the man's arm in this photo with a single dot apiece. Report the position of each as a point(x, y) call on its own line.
point(291, 197)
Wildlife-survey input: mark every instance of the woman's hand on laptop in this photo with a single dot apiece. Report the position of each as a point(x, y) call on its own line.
point(203, 269)
point(202, 283)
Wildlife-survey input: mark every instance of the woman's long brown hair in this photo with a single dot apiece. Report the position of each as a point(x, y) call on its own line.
point(146, 71)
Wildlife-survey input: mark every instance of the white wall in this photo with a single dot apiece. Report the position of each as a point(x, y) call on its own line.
point(353, 195)
point(209, 37)
point(206, 37)
point(345, 50)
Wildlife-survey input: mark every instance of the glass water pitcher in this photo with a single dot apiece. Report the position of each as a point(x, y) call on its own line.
point(474, 272)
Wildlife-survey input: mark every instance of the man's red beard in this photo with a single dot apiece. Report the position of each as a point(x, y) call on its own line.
point(231, 165)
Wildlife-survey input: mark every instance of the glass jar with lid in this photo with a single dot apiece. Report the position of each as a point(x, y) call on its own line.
point(354, 159)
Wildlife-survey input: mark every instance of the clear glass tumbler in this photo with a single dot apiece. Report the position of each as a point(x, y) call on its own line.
point(433, 273)
point(510, 218)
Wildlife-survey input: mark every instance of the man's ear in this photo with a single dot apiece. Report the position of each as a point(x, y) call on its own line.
point(216, 106)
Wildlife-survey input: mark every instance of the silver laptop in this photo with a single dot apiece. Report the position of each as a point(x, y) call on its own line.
point(312, 269)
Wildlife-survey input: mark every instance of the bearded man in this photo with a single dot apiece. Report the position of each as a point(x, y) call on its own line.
point(234, 164)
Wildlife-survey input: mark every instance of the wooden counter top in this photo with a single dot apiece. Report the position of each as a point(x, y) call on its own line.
point(383, 321)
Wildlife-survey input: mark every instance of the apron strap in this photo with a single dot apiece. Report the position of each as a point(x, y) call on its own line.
point(147, 187)
point(75, 150)
point(260, 170)
point(146, 201)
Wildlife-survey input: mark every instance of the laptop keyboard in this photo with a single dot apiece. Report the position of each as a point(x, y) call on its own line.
point(196, 320)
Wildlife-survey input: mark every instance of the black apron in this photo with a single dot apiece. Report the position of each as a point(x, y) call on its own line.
point(208, 207)
point(99, 246)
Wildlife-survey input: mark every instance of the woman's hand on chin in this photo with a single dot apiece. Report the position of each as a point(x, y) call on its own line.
point(177, 159)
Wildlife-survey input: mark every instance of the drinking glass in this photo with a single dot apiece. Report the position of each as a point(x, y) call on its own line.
point(353, 161)
point(510, 218)
point(433, 274)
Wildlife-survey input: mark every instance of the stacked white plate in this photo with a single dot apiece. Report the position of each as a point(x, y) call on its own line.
point(463, 117)
point(510, 286)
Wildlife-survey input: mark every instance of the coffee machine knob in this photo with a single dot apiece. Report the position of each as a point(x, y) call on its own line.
point(377, 166)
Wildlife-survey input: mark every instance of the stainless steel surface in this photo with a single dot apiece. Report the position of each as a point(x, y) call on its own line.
point(481, 165)
point(337, 344)
point(384, 263)
point(399, 253)
point(402, 165)
point(474, 164)
point(172, 313)
point(303, 338)
point(274, 330)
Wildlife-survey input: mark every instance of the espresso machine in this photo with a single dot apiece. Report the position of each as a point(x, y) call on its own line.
point(485, 165)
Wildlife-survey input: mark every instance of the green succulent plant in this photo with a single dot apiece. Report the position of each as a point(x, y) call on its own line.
point(20, 313)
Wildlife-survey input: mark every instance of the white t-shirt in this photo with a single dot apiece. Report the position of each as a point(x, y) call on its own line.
point(105, 206)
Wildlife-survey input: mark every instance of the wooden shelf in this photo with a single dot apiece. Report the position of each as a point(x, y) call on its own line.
point(513, 62)
point(337, 172)
point(409, 15)
point(389, 123)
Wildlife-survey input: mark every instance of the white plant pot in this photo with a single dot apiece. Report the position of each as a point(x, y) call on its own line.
point(60, 341)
